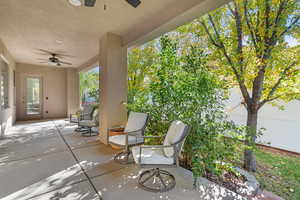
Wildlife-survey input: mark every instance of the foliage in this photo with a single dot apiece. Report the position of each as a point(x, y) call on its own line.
point(89, 85)
point(94, 93)
point(140, 64)
point(182, 88)
point(248, 46)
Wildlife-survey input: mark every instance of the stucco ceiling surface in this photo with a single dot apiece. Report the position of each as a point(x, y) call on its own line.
point(56, 25)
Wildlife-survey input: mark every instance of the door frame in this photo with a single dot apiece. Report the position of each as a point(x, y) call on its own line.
point(24, 97)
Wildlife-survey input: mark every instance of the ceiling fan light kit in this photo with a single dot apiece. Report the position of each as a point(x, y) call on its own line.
point(75, 2)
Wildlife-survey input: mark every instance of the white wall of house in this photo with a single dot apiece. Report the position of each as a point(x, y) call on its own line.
point(282, 126)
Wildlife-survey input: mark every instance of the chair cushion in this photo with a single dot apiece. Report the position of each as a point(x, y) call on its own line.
point(120, 140)
point(174, 134)
point(136, 121)
point(151, 156)
point(89, 123)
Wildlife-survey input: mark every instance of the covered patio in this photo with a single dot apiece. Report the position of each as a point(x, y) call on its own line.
point(48, 160)
point(47, 44)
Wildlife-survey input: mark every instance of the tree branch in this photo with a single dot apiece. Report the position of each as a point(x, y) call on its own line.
point(267, 29)
point(209, 35)
point(221, 46)
point(252, 34)
point(276, 85)
point(277, 19)
point(296, 20)
point(239, 30)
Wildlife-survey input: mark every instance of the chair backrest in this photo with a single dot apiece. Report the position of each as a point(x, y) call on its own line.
point(88, 111)
point(175, 136)
point(137, 121)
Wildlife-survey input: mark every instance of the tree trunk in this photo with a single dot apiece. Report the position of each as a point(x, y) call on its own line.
point(249, 157)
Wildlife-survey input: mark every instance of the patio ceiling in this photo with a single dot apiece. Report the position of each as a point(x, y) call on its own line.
point(26, 26)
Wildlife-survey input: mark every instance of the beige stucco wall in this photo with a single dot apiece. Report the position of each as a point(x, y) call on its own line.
point(7, 116)
point(54, 87)
point(73, 96)
point(113, 83)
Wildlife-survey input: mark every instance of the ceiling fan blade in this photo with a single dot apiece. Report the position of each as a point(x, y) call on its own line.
point(44, 62)
point(65, 63)
point(43, 59)
point(61, 55)
point(45, 51)
point(42, 53)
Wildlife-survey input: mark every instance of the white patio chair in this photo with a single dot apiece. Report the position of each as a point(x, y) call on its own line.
point(133, 132)
point(160, 156)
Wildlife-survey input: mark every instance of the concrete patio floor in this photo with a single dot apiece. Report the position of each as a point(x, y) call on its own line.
point(48, 160)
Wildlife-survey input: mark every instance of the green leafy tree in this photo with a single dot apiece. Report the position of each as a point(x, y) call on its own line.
point(94, 93)
point(89, 84)
point(248, 46)
point(140, 64)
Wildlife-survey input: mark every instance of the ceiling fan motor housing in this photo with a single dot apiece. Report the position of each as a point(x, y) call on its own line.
point(89, 3)
point(53, 59)
point(134, 3)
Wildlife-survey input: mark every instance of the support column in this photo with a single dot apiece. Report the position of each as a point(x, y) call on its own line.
point(72, 91)
point(113, 83)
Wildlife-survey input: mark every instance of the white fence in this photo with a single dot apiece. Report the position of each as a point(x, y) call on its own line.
point(282, 126)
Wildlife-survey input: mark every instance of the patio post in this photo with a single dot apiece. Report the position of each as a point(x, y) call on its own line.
point(73, 96)
point(113, 83)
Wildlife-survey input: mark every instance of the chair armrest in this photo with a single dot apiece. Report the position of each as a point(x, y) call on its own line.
point(134, 133)
point(150, 136)
point(146, 137)
point(156, 146)
point(115, 127)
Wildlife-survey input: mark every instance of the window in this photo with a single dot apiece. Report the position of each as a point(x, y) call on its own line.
point(4, 87)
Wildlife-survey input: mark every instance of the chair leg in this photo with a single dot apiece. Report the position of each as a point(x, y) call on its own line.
point(88, 132)
point(156, 180)
point(124, 157)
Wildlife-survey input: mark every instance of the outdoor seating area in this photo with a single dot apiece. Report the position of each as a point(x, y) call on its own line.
point(50, 160)
point(149, 99)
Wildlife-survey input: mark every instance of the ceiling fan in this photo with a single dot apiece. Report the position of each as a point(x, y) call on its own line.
point(91, 3)
point(54, 59)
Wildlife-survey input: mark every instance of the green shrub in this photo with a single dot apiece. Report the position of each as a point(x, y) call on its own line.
point(183, 88)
